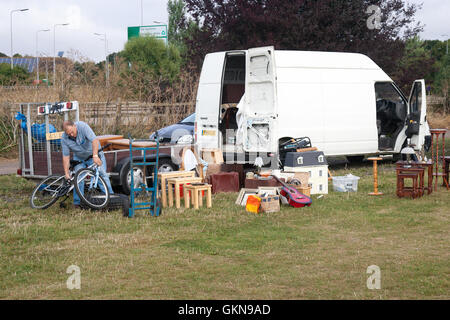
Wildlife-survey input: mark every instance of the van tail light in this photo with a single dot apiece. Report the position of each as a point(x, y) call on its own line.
point(19, 172)
point(195, 132)
point(69, 105)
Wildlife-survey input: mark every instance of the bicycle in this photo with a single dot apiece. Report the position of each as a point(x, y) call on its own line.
point(95, 193)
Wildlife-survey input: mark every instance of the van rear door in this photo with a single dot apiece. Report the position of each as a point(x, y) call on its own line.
point(260, 107)
point(417, 126)
point(208, 101)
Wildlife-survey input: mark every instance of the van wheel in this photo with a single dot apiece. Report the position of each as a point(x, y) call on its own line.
point(355, 159)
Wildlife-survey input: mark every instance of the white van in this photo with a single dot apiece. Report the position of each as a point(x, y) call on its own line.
point(344, 102)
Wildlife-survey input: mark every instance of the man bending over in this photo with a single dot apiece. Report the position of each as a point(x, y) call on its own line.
point(79, 139)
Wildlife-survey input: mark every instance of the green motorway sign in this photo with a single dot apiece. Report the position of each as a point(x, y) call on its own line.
point(157, 31)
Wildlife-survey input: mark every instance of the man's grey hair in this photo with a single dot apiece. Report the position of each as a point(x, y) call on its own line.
point(66, 124)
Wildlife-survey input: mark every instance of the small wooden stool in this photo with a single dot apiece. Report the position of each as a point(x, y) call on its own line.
point(416, 174)
point(176, 183)
point(375, 176)
point(163, 176)
point(196, 194)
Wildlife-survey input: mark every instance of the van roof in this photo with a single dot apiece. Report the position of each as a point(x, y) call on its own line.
point(320, 59)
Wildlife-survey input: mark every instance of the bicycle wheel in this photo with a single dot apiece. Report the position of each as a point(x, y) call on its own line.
point(47, 192)
point(95, 193)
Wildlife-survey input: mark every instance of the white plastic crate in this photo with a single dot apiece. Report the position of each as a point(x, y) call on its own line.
point(348, 183)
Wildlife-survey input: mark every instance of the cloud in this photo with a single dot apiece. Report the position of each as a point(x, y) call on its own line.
point(73, 17)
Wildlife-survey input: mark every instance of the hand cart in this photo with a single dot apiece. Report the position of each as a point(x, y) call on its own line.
point(145, 160)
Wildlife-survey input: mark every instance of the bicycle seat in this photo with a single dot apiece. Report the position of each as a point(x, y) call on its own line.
point(74, 163)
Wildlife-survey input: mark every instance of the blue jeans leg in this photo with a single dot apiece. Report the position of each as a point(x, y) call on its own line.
point(76, 197)
point(104, 175)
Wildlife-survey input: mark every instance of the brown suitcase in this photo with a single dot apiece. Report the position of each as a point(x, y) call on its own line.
point(225, 182)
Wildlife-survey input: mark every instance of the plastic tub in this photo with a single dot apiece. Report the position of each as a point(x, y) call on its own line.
point(348, 183)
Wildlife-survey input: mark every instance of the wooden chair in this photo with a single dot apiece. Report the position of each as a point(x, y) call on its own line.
point(199, 167)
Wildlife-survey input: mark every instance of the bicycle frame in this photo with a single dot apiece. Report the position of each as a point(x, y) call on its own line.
point(93, 183)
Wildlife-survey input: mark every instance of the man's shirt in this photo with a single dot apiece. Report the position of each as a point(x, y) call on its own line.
point(81, 146)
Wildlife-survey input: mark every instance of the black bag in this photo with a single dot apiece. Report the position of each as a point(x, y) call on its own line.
point(119, 201)
point(116, 201)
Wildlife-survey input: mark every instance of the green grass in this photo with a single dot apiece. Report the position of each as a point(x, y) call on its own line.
point(321, 252)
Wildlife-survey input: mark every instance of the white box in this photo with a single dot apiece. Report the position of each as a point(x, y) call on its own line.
point(348, 183)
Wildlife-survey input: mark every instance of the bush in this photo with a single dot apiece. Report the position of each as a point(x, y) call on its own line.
point(11, 77)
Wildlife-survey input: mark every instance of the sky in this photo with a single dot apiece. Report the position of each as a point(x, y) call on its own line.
point(86, 17)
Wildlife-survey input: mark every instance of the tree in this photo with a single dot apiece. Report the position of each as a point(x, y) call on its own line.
point(437, 48)
point(153, 57)
point(2, 55)
point(149, 66)
point(326, 25)
point(416, 63)
point(442, 82)
point(180, 27)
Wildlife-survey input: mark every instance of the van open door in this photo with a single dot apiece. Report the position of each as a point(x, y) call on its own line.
point(417, 126)
point(208, 102)
point(260, 105)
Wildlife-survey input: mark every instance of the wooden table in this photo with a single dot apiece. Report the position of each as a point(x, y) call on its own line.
point(121, 144)
point(429, 167)
point(176, 183)
point(163, 176)
point(417, 175)
point(106, 138)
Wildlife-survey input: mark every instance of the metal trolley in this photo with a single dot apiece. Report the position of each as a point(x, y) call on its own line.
point(145, 160)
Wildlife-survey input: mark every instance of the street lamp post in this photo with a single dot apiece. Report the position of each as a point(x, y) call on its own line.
point(54, 49)
point(12, 33)
point(142, 12)
point(37, 56)
point(106, 56)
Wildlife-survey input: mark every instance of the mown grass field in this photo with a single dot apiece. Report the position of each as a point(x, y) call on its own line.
point(321, 252)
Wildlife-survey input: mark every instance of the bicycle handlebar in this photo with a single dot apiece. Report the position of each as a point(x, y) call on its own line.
point(100, 150)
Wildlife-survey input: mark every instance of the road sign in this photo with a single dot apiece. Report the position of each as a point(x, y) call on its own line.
point(157, 31)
